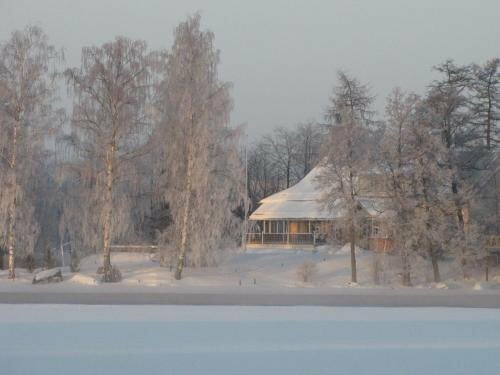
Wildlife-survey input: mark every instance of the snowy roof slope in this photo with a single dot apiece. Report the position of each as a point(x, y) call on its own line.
point(297, 202)
point(301, 201)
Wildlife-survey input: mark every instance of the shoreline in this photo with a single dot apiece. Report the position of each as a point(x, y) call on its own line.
point(337, 297)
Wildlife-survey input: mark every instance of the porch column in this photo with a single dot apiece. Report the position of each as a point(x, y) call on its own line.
point(287, 231)
point(262, 233)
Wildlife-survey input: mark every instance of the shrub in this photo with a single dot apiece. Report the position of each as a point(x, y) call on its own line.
point(112, 276)
point(307, 271)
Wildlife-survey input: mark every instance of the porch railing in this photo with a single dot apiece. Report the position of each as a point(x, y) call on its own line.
point(284, 238)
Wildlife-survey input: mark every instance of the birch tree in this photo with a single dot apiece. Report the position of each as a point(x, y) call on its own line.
point(202, 179)
point(28, 73)
point(346, 153)
point(110, 124)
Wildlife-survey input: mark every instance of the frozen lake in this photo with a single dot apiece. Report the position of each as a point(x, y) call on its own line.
point(79, 339)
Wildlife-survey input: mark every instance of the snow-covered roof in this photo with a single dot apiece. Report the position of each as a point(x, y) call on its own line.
point(301, 201)
point(297, 202)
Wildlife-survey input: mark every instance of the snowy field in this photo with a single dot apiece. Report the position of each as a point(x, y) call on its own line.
point(77, 339)
point(257, 269)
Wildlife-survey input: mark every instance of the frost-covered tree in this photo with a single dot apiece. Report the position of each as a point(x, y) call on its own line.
point(434, 220)
point(110, 125)
point(347, 153)
point(28, 73)
point(200, 159)
point(449, 103)
point(396, 158)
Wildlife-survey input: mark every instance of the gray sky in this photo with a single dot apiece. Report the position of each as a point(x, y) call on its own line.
point(282, 55)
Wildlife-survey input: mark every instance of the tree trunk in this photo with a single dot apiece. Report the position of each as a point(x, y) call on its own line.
point(108, 207)
point(430, 247)
point(185, 217)
point(432, 253)
point(404, 247)
point(352, 232)
point(288, 174)
point(406, 267)
point(497, 211)
point(488, 119)
point(435, 266)
point(352, 226)
point(11, 237)
point(461, 225)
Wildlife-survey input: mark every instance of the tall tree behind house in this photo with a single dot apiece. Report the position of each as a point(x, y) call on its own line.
point(282, 158)
point(282, 149)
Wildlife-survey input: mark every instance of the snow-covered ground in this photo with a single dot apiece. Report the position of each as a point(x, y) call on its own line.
point(78, 339)
point(256, 269)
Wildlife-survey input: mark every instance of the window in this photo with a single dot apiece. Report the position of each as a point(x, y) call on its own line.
point(277, 226)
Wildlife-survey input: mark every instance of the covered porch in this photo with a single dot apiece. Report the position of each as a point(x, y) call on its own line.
point(288, 232)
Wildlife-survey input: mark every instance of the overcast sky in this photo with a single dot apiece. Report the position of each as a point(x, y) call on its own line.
point(281, 55)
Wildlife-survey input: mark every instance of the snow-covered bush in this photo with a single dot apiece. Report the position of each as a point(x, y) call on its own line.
point(53, 275)
point(307, 271)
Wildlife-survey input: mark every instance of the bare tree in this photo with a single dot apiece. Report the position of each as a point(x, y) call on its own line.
point(202, 166)
point(263, 180)
point(111, 120)
point(280, 159)
point(486, 101)
point(282, 149)
point(308, 140)
point(27, 90)
point(346, 153)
